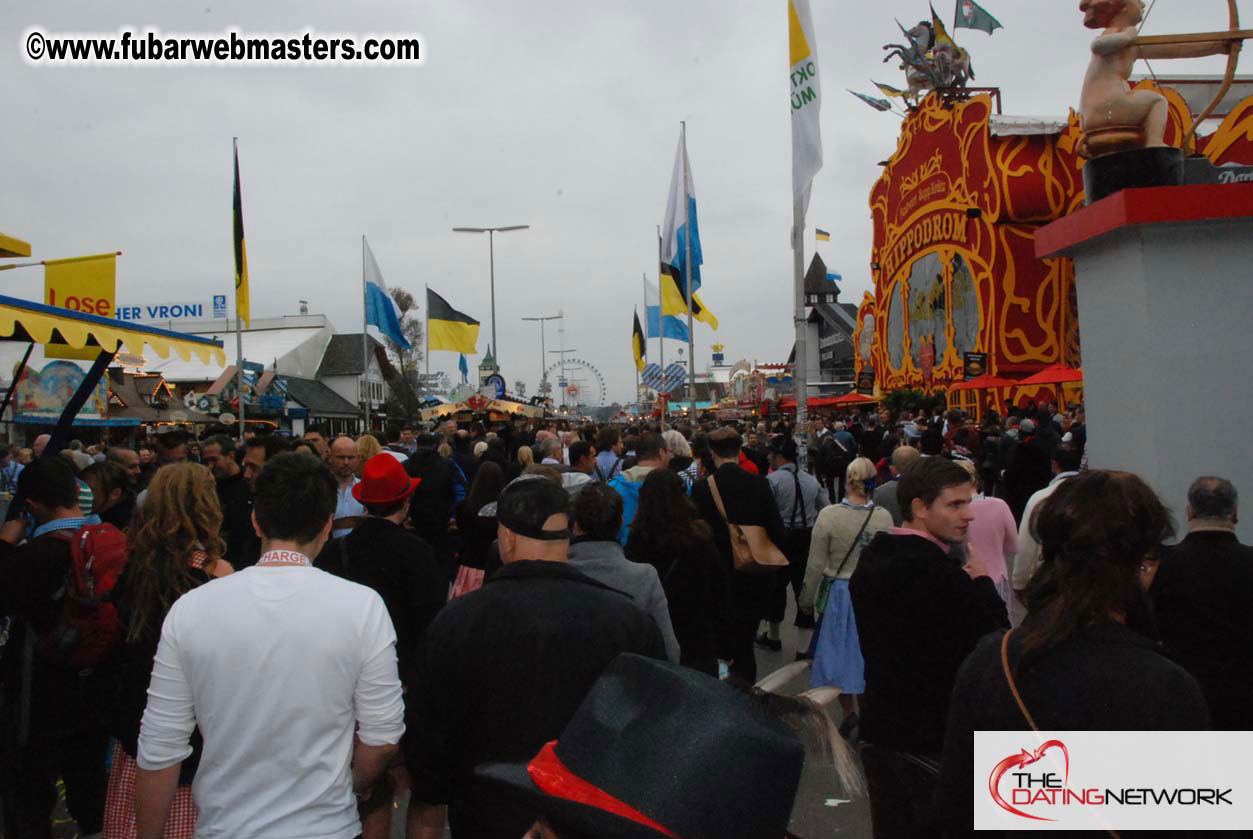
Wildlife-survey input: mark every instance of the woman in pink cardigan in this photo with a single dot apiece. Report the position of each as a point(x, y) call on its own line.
point(992, 536)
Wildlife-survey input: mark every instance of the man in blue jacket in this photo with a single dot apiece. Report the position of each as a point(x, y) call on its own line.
point(651, 453)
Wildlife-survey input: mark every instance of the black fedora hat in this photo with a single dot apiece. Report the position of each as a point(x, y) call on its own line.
point(659, 750)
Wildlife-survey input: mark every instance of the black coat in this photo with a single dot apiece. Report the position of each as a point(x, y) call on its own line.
point(401, 568)
point(1203, 597)
point(918, 616)
point(128, 674)
point(748, 500)
point(1108, 678)
point(499, 674)
point(695, 585)
point(243, 547)
point(433, 503)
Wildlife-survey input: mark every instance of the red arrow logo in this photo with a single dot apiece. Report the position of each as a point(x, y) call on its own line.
point(1025, 758)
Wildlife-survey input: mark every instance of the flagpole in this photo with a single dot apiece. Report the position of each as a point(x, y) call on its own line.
point(239, 326)
point(637, 369)
point(687, 276)
point(661, 341)
point(365, 342)
point(800, 372)
point(427, 330)
point(644, 285)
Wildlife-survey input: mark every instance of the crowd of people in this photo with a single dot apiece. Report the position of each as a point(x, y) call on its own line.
point(279, 637)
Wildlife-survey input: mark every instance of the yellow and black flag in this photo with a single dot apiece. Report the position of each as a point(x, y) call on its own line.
point(242, 308)
point(674, 302)
point(448, 329)
point(638, 346)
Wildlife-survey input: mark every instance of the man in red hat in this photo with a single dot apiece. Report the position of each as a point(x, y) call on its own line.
point(381, 554)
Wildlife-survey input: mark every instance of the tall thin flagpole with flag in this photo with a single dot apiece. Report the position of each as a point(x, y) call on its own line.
point(688, 268)
point(661, 342)
point(365, 340)
point(806, 161)
point(242, 304)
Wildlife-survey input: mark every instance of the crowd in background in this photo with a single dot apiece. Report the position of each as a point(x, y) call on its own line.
point(468, 586)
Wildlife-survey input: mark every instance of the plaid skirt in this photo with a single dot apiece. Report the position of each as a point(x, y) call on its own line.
point(119, 803)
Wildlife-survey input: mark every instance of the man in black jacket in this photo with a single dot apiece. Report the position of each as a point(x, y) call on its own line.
point(500, 671)
point(381, 554)
point(235, 499)
point(920, 613)
point(748, 501)
point(1203, 596)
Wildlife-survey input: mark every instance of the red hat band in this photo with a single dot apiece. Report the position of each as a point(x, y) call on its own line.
point(554, 778)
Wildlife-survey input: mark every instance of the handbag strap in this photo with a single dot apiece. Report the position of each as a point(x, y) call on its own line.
point(860, 531)
point(1013, 687)
point(722, 511)
point(1022, 706)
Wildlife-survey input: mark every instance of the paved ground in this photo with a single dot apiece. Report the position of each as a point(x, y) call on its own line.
point(822, 808)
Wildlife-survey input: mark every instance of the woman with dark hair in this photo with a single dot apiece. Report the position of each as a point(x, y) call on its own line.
point(666, 534)
point(478, 560)
point(1084, 658)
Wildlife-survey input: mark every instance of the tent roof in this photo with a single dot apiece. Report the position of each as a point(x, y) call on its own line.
point(23, 320)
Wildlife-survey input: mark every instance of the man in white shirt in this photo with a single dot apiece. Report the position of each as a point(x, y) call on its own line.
point(276, 665)
point(1065, 464)
point(348, 510)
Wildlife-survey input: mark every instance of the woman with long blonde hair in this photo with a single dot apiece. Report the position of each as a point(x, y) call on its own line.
point(174, 547)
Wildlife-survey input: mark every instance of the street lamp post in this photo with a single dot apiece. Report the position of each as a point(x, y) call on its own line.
point(543, 354)
point(491, 255)
point(562, 380)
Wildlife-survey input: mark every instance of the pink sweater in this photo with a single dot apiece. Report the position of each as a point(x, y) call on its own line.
point(993, 535)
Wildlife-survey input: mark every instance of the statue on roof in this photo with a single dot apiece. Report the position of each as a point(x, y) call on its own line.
point(931, 59)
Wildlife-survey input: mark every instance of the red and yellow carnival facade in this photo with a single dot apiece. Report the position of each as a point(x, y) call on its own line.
point(955, 215)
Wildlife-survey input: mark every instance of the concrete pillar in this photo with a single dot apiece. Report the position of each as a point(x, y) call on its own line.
point(1164, 278)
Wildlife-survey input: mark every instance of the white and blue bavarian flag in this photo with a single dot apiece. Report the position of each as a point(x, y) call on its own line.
point(380, 309)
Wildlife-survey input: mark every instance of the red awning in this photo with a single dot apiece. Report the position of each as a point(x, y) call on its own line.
point(983, 382)
point(1056, 374)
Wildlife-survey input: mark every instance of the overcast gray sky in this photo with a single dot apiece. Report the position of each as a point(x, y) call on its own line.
point(560, 115)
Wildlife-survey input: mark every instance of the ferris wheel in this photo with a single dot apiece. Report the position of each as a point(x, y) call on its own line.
point(578, 382)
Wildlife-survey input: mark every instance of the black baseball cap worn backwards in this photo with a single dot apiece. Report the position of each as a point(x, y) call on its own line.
point(525, 505)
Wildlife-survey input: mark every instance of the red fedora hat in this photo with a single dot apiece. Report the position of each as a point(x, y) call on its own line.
point(384, 481)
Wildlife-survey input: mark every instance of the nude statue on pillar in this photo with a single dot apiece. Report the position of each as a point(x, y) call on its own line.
point(1112, 116)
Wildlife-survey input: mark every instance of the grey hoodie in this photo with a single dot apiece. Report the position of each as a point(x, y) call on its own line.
point(605, 563)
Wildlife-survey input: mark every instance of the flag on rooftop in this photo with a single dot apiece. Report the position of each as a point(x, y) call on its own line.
point(380, 309)
point(448, 329)
point(806, 95)
point(464, 368)
point(941, 34)
point(888, 90)
point(835, 278)
point(821, 235)
point(243, 310)
point(680, 214)
point(877, 104)
point(970, 15)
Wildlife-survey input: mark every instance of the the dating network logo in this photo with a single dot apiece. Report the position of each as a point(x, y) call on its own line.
point(1021, 789)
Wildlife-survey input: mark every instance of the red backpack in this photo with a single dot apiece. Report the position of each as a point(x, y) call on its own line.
point(87, 627)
